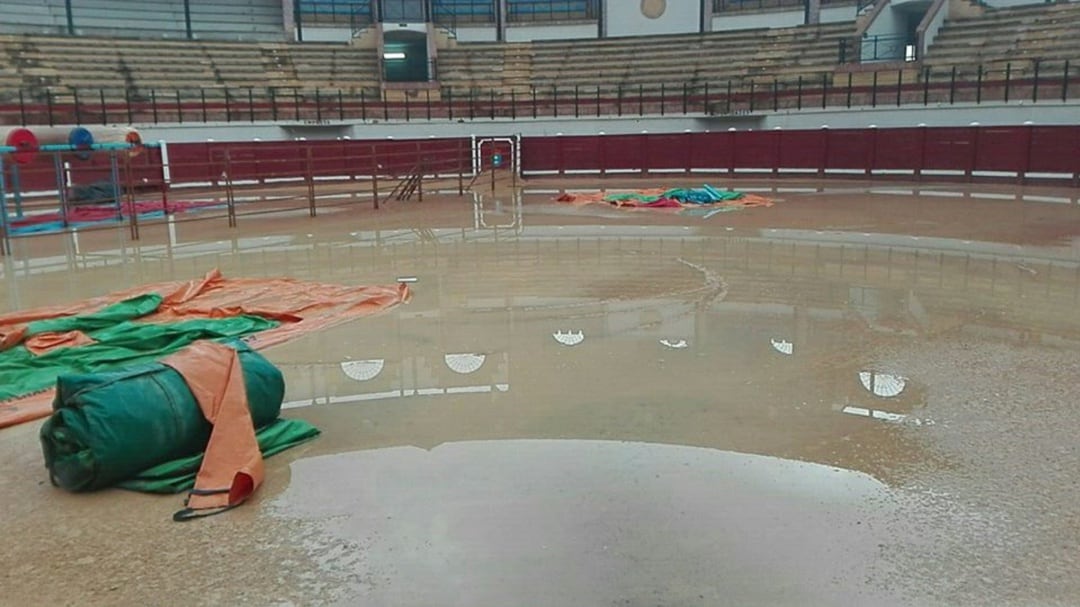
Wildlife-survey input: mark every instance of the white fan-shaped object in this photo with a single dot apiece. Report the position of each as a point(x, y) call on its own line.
point(363, 370)
point(569, 338)
point(884, 385)
point(675, 344)
point(783, 346)
point(464, 363)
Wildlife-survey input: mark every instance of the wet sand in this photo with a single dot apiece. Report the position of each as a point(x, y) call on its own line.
point(861, 395)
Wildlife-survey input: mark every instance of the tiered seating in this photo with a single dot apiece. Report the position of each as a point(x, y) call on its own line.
point(647, 62)
point(1014, 35)
point(60, 65)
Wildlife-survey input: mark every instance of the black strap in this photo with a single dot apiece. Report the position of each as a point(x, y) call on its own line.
point(188, 514)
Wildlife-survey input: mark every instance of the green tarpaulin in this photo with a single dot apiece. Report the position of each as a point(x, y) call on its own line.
point(119, 342)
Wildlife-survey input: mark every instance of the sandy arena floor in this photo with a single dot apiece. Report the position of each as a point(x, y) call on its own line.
point(863, 395)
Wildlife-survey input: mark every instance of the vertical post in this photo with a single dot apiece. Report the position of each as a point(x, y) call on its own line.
point(1064, 83)
point(533, 91)
point(78, 112)
point(298, 19)
point(295, 103)
point(685, 98)
point(104, 108)
point(873, 90)
point(230, 199)
point(640, 100)
point(926, 87)
point(22, 104)
point(374, 178)
point(727, 100)
point(363, 106)
point(133, 212)
point(187, 20)
point(228, 105)
point(978, 84)
point(472, 106)
point(1035, 83)
point(70, 18)
point(824, 90)
point(61, 188)
point(179, 108)
point(663, 99)
point(798, 93)
point(114, 174)
point(705, 104)
point(427, 103)
point(251, 104)
point(49, 107)
point(849, 77)
point(577, 102)
point(899, 87)
point(460, 168)
point(341, 107)
point(202, 98)
point(318, 106)
point(491, 103)
point(618, 100)
point(5, 248)
point(1008, 80)
point(309, 176)
point(775, 95)
point(952, 86)
point(555, 100)
point(127, 105)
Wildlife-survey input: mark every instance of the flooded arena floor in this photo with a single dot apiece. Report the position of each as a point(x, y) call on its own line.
point(862, 395)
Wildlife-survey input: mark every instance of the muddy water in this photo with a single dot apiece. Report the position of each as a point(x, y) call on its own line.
point(862, 395)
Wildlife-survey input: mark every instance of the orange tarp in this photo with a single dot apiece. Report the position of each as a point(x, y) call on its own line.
point(302, 307)
point(232, 468)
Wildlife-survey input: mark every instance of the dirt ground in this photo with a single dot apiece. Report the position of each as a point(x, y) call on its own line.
point(863, 394)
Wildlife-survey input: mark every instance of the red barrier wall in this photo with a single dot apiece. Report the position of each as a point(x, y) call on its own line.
point(968, 152)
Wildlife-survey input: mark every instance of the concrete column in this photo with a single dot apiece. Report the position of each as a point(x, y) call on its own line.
point(288, 19)
point(500, 20)
point(813, 11)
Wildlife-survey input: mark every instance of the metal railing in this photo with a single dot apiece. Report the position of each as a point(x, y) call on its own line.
point(1035, 81)
point(886, 47)
point(454, 13)
point(526, 11)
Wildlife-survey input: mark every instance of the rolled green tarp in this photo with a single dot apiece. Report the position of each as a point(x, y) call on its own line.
point(109, 427)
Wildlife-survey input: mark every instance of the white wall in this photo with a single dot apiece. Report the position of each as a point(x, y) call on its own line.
point(624, 18)
point(838, 14)
point(525, 33)
point(327, 34)
point(476, 34)
point(745, 21)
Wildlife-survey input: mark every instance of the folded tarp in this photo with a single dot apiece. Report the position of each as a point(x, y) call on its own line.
point(146, 429)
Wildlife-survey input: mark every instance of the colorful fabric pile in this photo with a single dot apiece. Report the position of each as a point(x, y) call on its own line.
point(675, 198)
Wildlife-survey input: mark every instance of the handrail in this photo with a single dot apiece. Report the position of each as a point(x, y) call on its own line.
point(930, 24)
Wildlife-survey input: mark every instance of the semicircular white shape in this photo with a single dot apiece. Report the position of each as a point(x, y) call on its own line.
point(363, 370)
point(884, 385)
point(675, 344)
point(569, 338)
point(783, 346)
point(464, 363)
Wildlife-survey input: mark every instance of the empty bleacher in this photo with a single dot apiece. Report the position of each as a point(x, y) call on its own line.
point(628, 63)
point(1018, 36)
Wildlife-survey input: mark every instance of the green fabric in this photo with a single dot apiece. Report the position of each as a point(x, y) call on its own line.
point(109, 427)
point(129, 309)
point(179, 475)
point(120, 342)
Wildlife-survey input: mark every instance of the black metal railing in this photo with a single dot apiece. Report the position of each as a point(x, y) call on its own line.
point(878, 48)
point(528, 11)
point(1030, 81)
point(453, 13)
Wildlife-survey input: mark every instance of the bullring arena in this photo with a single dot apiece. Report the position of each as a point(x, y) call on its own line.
point(508, 302)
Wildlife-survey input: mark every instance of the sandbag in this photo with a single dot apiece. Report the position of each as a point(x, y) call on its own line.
point(109, 427)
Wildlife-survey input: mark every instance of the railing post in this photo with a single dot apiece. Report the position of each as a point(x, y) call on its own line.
point(202, 97)
point(1008, 80)
point(952, 86)
point(179, 108)
point(228, 105)
point(555, 100)
point(472, 106)
point(363, 106)
point(374, 178)
point(1064, 84)
point(532, 92)
point(798, 93)
point(873, 90)
point(251, 104)
point(663, 99)
point(598, 101)
point(187, 20)
point(309, 176)
point(978, 84)
point(775, 95)
point(296, 103)
point(926, 87)
point(49, 107)
point(1035, 83)
point(153, 104)
point(640, 99)
point(78, 112)
point(899, 86)
point(318, 105)
point(751, 96)
point(849, 77)
point(70, 18)
point(491, 103)
point(824, 90)
point(104, 109)
point(386, 107)
point(341, 106)
point(685, 98)
point(577, 109)
point(618, 100)
point(427, 103)
point(705, 103)
point(22, 106)
point(727, 100)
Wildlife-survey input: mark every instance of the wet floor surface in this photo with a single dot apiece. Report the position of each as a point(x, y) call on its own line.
point(862, 395)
